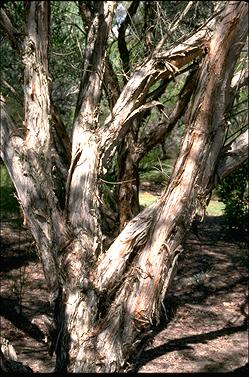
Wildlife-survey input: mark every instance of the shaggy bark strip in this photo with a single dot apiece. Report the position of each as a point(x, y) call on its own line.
point(84, 164)
point(80, 300)
point(47, 234)
point(26, 151)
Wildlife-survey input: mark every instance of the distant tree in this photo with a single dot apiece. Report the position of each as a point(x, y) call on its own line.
point(106, 299)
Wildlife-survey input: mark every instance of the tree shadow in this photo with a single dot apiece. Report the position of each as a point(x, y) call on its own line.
point(244, 369)
point(203, 272)
point(185, 343)
point(19, 320)
point(16, 252)
point(9, 263)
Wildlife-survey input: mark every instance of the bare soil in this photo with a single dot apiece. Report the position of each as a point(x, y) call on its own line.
point(204, 325)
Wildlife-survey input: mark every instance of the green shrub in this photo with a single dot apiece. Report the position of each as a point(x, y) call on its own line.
point(8, 201)
point(233, 192)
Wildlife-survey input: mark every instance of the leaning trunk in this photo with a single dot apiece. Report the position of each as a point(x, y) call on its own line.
point(148, 248)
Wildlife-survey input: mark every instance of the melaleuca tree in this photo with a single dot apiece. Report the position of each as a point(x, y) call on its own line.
point(105, 299)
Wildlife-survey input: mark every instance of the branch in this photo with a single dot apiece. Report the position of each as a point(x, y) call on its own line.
point(13, 34)
point(122, 46)
point(159, 131)
point(111, 84)
point(93, 63)
point(160, 67)
point(149, 27)
point(36, 78)
point(114, 262)
point(35, 193)
point(234, 154)
point(239, 80)
point(173, 27)
point(61, 132)
point(84, 146)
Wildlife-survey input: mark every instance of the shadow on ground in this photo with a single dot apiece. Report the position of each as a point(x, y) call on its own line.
point(203, 328)
point(206, 308)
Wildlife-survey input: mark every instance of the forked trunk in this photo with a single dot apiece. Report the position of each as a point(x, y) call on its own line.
point(105, 301)
point(130, 280)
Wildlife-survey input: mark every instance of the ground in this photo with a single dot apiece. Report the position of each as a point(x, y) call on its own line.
point(203, 328)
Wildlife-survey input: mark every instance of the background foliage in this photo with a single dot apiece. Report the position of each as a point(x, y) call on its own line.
point(234, 192)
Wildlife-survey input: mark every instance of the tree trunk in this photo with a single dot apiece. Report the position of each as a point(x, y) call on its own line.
point(151, 248)
point(78, 304)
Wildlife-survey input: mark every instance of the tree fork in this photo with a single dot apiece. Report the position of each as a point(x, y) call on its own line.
point(137, 302)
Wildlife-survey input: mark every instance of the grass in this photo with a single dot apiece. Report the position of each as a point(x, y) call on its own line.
point(215, 207)
point(8, 202)
point(145, 198)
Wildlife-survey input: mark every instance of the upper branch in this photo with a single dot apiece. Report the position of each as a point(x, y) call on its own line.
point(122, 45)
point(36, 77)
point(160, 66)
point(13, 34)
point(94, 62)
point(111, 85)
point(158, 132)
point(80, 205)
point(234, 154)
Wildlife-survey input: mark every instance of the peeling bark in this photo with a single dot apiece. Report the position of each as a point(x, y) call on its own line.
point(137, 302)
point(79, 301)
point(161, 66)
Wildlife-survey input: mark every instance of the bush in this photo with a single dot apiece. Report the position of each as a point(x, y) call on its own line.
point(233, 191)
point(8, 203)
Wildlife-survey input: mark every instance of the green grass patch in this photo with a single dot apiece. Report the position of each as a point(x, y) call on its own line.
point(215, 207)
point(145, 198)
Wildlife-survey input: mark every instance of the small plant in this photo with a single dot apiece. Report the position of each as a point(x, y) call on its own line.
point(8, 203)
point(235, 195)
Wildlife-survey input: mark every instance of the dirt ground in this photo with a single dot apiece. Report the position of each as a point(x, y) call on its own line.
point(204, 326)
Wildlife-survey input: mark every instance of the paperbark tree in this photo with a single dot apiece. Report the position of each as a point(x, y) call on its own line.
point(105, 301)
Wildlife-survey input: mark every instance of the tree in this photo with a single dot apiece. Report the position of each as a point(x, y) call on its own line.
point(105, 300)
